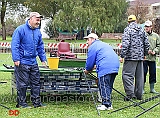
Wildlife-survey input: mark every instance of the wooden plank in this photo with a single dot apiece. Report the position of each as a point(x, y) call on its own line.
point(66, 36)
point(113, 36)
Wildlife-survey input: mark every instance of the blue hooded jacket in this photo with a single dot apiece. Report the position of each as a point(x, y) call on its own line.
point(27, 44)
point(104, 57)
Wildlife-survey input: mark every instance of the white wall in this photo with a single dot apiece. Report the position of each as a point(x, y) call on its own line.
point(43, 23)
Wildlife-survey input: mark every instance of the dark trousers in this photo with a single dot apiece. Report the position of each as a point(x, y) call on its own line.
point(27, 75)
point(151, 65)
point(105, 84)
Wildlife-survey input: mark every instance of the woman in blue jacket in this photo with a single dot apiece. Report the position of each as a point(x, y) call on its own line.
point(107, 65)
point(26, 45)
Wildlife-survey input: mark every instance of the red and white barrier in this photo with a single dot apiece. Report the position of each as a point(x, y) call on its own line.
point(5, 44)
point(53, 45)
point(119, 45)
point(83, 45)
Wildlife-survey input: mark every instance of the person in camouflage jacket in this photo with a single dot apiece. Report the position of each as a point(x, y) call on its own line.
point(135, 46)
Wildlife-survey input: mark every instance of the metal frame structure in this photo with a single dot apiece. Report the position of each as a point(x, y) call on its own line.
point(91, 93)
point(134, 103)
point(3, 105)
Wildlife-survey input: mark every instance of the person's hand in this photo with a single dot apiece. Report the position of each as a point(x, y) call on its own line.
point(121, 60)
point(149, 51)
point(94, 67)
point(86, 71)
point(16, 63)
point(44, 64)
point(153, 53)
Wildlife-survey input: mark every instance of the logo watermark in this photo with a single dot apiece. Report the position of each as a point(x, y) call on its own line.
point(13, 112)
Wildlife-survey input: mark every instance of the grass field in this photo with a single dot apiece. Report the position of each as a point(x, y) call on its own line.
point(74, 105)
point(71, 41)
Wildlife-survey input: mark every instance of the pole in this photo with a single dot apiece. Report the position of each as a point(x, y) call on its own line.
point(147, 110)
point(137, 103)
point(91, 93)
point(1, 104)
point(5, 107)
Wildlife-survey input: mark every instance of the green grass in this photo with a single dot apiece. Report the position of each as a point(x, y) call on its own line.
point(74, 105)
point(8, 39)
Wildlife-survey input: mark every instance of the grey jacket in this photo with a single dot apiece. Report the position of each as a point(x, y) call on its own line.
point(135, 43)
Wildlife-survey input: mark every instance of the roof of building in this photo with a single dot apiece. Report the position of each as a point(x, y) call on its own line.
point(145, 2)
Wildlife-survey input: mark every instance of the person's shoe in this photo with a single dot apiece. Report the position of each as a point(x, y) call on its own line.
point(26, 106)
point(128, 98)
point(153, 91)
point(110, 108)
point(101, 107)
point(40, 105)
point(139, 98)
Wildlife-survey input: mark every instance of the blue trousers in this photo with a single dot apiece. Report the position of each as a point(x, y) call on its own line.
point(151, 65)
point(105, 84)
point(27, 75)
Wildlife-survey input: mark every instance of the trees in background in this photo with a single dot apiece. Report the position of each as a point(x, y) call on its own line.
point(144, 12)
point(156, 25)
point(140, 9)
point(8, 8)
point(100, 15)
point(49, 29)
point(48, 8)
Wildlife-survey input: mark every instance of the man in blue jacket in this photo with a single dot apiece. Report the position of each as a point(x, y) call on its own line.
point(107, 65)
point(26, 45)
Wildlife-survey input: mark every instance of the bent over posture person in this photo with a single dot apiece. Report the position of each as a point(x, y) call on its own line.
point(150, 61)
point(135, 46)
point(107, 65)
point(26, 45)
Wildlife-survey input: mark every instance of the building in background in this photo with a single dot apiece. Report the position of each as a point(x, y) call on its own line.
point(43, 24)
point(152, 5)
point(146, 10)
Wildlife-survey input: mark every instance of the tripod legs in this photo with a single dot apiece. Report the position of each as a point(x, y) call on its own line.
point(91, 94)
point(129, 99)
point(1, 104)
point(134, 103)
point(5, 107)
point(147, 110)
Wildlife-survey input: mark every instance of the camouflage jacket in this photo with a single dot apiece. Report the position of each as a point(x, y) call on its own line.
point(135, 43)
